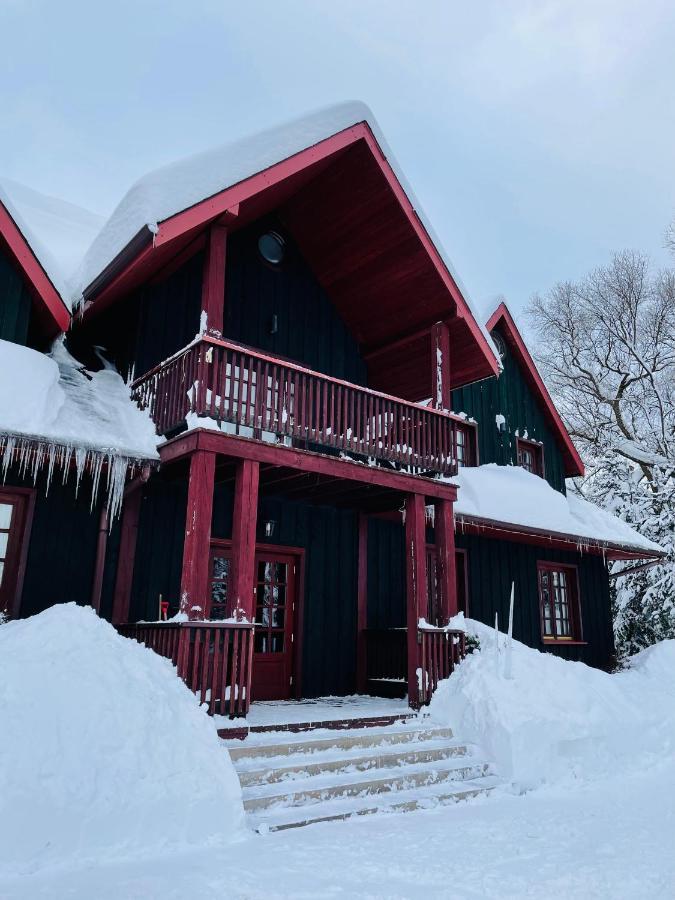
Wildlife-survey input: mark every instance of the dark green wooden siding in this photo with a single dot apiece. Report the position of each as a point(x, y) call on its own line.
point(511, 396)
point(15, 303)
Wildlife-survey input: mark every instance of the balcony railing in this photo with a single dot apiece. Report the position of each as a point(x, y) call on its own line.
point(262, 397)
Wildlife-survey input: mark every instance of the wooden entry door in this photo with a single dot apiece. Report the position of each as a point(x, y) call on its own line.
point(274, 617)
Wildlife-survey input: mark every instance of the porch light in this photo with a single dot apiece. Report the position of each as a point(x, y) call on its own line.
point(272, 247)
point(269, 527)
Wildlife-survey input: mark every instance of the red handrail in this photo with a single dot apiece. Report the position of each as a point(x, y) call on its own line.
point(277, 399)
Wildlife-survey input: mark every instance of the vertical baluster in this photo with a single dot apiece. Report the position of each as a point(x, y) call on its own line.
point(235, 679)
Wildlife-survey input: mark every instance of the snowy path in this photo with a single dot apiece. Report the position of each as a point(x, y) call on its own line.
point(613, 838)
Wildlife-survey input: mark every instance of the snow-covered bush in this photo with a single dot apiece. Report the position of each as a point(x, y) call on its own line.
point(104, 751)
point(556, 719)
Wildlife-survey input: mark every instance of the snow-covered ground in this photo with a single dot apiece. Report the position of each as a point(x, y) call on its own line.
point(600, 826)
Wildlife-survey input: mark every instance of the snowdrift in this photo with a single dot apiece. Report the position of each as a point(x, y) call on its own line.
point(104, 751)
point(556, 719)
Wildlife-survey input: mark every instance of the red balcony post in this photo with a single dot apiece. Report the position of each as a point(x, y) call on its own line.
point(362, 606)
point(416, 587)
point(244, 522)
point(213, 280)
point(440, 366)
point(194, 582)
point(444, 530)
point(126, 557)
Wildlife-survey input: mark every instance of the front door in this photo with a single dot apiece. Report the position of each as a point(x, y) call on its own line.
point(274, 616)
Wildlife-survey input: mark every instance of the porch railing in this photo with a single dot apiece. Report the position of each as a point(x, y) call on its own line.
point(213, 659)
point(439, 649)
point(271, 399)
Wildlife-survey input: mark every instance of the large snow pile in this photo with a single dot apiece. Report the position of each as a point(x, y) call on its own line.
point(555, 719)
point(104, 751)
point(511, 495)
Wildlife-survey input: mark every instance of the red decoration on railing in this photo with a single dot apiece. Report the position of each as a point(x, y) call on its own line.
point(270, 399)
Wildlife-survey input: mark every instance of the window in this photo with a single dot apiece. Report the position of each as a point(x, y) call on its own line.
point(530, 456)
point(272, 248)
point(15, 511)
point(465, 445)
point(559, 602)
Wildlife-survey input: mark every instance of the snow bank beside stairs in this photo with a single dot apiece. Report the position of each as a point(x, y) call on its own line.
point(556, 719)
point(104, 751)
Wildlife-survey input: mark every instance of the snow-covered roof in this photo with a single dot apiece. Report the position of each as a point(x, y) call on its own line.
point(509, 495)
point(173, 188)
point(57, 232)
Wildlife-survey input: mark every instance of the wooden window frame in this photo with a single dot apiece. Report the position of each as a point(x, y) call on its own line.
point(18, 545)
point(537, 451)
point(470, 429)
point(576, 637)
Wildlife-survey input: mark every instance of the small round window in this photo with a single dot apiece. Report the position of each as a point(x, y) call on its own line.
point(272, 248)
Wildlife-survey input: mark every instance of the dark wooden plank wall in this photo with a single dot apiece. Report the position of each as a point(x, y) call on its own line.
point(15, 303)
point(511, 396)
point(309, 329)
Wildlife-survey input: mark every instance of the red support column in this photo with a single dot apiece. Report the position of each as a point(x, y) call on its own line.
point(440, 366)
point(362, 606)
point(194, 583)
point(416, 586)
point(444, 530)
point(213, 282)
point(127, 556)
point(244, 521)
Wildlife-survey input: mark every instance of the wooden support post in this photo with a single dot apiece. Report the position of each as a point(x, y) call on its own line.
point(444, 531)
point(127, 555)
point(416, 586)
point(244, 521)
point(213, 282)
point(194, 582)
point(362, 606)
point(99, 565)
point(440, 366)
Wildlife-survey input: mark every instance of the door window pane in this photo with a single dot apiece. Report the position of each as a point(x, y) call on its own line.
point(5, 514)
point(4, 537)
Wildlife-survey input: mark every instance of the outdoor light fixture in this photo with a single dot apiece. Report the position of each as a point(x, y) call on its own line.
point(270, 525)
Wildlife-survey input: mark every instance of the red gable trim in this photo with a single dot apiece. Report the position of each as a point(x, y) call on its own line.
point(41, 287)
point(573, 463)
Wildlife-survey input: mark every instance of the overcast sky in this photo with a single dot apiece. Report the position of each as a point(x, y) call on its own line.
point(539, 136)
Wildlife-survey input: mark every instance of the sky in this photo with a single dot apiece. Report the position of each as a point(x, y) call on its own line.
point(538, 136)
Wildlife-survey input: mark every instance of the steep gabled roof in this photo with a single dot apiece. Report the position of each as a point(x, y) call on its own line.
point(46, 238)
point(348, 206)
point(502, 319)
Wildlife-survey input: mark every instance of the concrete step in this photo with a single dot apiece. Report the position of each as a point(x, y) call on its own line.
point(401, 801)
point(388, 756)
point(319, 788)
point(402, 734)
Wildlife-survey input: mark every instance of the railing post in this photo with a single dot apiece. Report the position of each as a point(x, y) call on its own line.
point(444, 532)
point(195, 572)
point(416, 588)
point(213, 281)
point(244, 522)
point(440, 365)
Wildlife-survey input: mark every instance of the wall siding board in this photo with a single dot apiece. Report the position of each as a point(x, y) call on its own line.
point(15, 303)
point(511, 396)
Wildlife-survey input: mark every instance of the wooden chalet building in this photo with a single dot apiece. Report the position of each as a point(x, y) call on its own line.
point(300, 341)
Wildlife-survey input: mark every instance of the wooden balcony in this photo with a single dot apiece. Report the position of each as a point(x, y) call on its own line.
point(258, 396)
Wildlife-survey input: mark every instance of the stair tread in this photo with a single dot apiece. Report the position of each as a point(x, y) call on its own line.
point(395, 801)
point(331, 780)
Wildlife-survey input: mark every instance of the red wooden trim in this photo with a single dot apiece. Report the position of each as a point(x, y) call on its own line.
point(362, 605)
point(39, 282)
point(195, 571)
point(23, 530)
point(304, 460)
point(416, 586)
point(213, 285)
point(127, 555)
point(444, 533)
point(574, 602)
point(573, 463)
point(440, 374)
point(244, 521)
point(99, 564)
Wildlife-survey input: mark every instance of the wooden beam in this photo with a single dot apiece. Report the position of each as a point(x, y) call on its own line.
point(213, 280)
point(194, 581)
point(440, 366)
point(362, 605)
point(416, 585)
point(444, 531)
point(99, 564)
point(244, 521)
point(127, 555)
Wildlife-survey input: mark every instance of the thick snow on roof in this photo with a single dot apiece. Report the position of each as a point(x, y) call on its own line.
point(54, 399)
point(173, 188)
point(510, 495)
point(57, 232)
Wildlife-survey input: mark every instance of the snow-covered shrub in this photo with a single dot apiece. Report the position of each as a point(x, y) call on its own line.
point(104, 751)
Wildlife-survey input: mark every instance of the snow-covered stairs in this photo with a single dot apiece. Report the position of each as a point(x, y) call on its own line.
point(290, 780)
